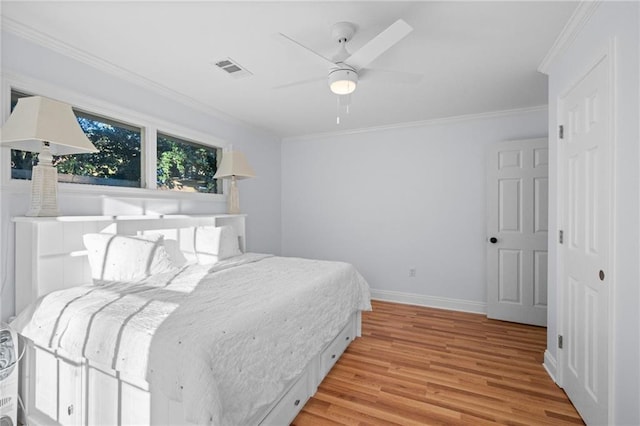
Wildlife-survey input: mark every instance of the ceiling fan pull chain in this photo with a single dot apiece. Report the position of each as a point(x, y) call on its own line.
point(337, 110)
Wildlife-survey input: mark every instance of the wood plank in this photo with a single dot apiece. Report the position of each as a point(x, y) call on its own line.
point(416, 365)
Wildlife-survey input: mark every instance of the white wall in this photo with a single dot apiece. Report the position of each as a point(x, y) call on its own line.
point(392, 199)
point(260, 197)
point(618, 21)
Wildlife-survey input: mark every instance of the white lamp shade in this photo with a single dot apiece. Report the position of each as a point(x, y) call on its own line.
point(343, 81)
point(235, 164)
point(36, 119)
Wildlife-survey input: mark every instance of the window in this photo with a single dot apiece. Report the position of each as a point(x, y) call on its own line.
point(117, 164)
point(182, 163)
point(186, 166)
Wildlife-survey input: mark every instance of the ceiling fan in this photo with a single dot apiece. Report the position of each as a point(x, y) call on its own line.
point(344, 68)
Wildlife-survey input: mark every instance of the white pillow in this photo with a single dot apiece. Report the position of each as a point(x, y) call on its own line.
point(215, 243)
point(114, 257)
point(175, 254)
point(172, 247)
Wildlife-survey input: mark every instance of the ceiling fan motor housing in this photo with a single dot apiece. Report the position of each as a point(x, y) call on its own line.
point(343, 81)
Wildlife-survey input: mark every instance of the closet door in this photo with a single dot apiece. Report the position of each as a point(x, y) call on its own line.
point(586, 199)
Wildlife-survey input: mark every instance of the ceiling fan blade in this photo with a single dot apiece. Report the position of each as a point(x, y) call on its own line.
point(300, 82)
point(326, 61)
point(391, 76)
point(379, 44)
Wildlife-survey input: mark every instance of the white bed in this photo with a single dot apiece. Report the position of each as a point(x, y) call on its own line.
point(268, 331)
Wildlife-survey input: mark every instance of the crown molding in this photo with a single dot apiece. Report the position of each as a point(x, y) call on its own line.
point(572, 28)
point(422, 123)
point(41, 39)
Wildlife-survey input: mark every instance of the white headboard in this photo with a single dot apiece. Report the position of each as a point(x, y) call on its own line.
point(50, 253)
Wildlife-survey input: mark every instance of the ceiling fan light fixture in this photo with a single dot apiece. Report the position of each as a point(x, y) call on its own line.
point(343, 81)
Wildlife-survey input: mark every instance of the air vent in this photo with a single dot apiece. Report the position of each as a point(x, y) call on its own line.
point(232, 68)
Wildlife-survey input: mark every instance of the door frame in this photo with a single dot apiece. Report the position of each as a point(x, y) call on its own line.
point(606, 55)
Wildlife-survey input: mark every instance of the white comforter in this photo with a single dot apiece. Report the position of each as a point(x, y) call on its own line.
point(225, 341)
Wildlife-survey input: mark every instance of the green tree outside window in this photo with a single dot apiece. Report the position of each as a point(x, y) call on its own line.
point(186, 166)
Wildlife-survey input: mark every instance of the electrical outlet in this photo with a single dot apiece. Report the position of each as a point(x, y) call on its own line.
point(412, 272)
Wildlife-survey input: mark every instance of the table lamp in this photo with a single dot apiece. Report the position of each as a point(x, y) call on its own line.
point(39, 124)
point(234, 165)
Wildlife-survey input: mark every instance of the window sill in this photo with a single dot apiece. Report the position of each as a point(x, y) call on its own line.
point(24, 187)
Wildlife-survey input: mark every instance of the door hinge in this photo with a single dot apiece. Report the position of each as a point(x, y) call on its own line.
point(561, 131)
point(559, 341)
point(561, 236)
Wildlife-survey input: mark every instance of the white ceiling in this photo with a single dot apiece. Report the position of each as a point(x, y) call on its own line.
point(475, 56)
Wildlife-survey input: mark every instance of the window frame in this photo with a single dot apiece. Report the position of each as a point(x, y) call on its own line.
point(148, 124)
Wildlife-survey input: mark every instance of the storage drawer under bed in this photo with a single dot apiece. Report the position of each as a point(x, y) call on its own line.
point(290, 404)
point(335, 349)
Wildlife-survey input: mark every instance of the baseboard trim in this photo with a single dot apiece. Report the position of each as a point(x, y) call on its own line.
point(550, 365)
point(430, 301)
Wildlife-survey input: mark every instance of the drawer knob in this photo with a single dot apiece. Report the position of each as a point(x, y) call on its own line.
point(347, 338)
point(297, 402)
point(70, 409)
point(333, 356)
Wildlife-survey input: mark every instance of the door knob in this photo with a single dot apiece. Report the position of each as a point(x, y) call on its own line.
point(601, 275)
point(493, 240)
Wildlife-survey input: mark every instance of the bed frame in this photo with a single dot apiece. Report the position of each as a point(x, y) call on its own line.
point(58, 389)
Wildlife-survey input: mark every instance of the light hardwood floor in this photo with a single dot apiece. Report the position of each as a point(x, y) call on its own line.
point(423, 366)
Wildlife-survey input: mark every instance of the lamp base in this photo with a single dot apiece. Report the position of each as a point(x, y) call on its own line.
point(44, 191)
point(233, 201)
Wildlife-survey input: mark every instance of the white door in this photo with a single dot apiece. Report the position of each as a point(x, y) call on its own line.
point(585, 192)
point(517, 199)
